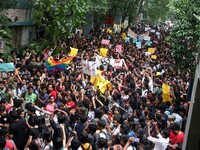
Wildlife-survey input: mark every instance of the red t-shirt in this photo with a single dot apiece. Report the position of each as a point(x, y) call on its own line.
point(172, 135)
point(53, 93)
point(71, 104)
point(177, 139)
point(10, 144)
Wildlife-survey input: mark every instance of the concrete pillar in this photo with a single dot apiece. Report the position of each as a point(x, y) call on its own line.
point(192, 131)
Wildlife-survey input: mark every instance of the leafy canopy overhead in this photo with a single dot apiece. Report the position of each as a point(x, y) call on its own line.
point(58, 18)
point(185, 37)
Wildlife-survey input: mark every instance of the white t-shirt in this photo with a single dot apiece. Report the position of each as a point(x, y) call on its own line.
point(160, 142)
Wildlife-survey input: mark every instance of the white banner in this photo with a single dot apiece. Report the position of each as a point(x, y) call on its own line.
point(115, 63)
point(89, 67)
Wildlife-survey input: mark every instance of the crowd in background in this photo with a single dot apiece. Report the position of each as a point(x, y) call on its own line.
point(41, 109)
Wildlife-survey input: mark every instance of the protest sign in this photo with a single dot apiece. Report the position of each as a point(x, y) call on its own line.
point(105, 42)
point(139, 45)
point(116, 63)
point(6, 67)
point(151, 50)
point(148, 43)
point(147, 38)
point(89, 67)
point(127, 40)
point(134, 40)
point(103, 52)
point(119, 48)
point(153, 57)
point(140, 38)
point(147, 29)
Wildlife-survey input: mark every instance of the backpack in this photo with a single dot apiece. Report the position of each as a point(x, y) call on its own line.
point(96, 138)
point(98, 135)
point(93, 141)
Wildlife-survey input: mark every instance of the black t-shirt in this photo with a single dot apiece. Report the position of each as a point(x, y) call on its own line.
point(34, 132)
point(5, 119)
point(57, 130)
point(31, 120)
point(19, 130)
point(79, 128)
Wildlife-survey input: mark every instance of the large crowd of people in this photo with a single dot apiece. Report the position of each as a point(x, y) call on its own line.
point(46, 110)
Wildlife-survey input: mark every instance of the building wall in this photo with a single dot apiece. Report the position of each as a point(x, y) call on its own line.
point(17, 15)
point(22, 27)
point(192, 131)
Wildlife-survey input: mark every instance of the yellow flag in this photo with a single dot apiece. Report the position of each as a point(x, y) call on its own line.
point(100, 82)
point(95, 80)
point(73, 52)
point(151, 50)
point(123, 35)
point(103, 86)
point(103, 52)
point(166, 93)
point(153, 56)
point(158, 73)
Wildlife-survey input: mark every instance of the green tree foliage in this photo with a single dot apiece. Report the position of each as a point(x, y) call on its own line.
point(126, 8)
point(58, 17)
point(157, 10)
point(6, 4)
point(98, 10)
point(5, 32)
point(185, 37)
